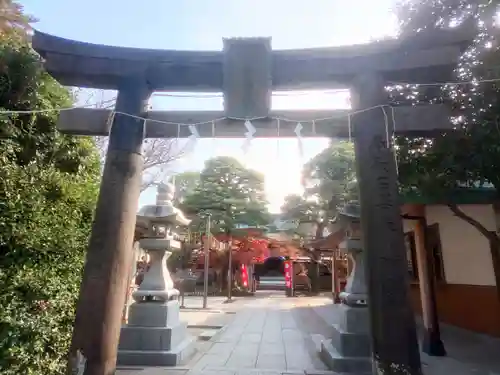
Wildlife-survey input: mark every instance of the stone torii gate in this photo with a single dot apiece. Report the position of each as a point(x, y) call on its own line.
point(246, 71)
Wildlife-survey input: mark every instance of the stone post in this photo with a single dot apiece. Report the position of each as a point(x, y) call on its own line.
point(335, 278)
point(394, 338)
point(230, 271)
point(206, 260)
point(109, 257)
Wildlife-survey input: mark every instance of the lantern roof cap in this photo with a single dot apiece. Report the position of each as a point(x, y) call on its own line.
point(165, 213)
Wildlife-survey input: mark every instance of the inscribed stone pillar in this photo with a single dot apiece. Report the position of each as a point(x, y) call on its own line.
point(247, 77)
point(108, 262)
point(394, 339)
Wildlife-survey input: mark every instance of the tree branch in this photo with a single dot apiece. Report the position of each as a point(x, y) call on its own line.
point(468, 219)
point(158, 154)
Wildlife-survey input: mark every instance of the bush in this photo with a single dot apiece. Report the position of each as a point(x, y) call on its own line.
point(48, 189)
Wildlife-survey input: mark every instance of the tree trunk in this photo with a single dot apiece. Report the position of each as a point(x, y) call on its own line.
point(219, 281)
point(493, 239)
point(495, 256)
point(224, 274)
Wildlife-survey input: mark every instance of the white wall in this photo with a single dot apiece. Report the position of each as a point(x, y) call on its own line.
point(466, 252)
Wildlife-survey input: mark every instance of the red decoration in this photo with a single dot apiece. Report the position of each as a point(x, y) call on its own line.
point(248, 247)
point(288, 274)
point(244, 275)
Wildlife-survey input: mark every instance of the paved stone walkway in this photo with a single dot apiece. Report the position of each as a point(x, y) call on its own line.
point(275, 335)
point(264, 337)
point(468, 353)
point(267, 335)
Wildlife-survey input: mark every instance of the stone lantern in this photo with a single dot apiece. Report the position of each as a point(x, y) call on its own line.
point(355, 293)
point(348, 350)
point(154, 335)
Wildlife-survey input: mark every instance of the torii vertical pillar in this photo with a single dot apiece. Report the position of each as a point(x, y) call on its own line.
point(102, 293)
point(393, 331)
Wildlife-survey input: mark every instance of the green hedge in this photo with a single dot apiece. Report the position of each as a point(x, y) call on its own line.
point(48, 189)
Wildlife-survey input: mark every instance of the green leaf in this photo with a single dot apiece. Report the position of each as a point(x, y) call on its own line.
point(48, 189)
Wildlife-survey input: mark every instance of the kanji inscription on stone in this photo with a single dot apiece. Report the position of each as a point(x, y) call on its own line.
point(247, 77)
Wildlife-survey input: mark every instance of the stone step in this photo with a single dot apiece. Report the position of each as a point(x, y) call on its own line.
point(207, 335)
point(350, 344)
point(178, 355)
point(343, 364)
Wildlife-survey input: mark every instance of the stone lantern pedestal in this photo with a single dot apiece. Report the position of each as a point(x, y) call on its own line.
point(154, 335)
point(349, 350)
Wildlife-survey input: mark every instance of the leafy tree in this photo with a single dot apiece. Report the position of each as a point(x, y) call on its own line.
point(430, 15)
point(329, 180)
point(48, 189)
point(185, 184)
point(230, 193)
point(329, 176)
point(470, 155)
point(12, 18)
point(299, 209)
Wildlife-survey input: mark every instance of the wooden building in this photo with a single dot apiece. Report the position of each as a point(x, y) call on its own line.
point(465, 269)
point(463, 265)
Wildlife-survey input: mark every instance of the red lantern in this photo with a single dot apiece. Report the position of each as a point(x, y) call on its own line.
point(288, 274)
point(244, 275)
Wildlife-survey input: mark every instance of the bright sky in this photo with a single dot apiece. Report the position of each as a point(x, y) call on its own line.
point(201, 25)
